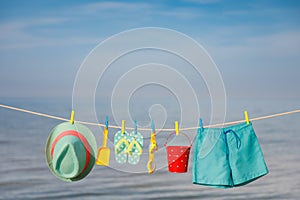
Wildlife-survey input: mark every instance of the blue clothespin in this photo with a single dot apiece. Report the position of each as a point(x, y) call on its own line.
point(201, 123)
point(106, 122)
point(153, 126)
point(135, 127)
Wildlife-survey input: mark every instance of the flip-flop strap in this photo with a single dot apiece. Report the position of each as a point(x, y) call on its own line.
point(131, 148)
point(119, 148)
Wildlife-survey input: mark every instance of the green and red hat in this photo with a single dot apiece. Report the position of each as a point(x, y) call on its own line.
point(71, 151)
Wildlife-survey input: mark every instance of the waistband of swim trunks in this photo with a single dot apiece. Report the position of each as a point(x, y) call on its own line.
point(235, 128)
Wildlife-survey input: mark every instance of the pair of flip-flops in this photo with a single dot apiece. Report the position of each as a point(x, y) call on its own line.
point(128, 146)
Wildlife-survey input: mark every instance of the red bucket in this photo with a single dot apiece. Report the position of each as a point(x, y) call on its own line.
point(178, 156)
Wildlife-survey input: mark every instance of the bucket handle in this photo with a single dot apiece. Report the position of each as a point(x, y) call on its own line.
point(187, 137)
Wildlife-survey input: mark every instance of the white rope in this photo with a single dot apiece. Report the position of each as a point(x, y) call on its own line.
point(148, 129)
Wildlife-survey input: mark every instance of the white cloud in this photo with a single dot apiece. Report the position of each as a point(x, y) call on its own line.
point(259, 55)
point(203, 1)
point(112, 6)
point(181, 13)
point(11, 29)
point(128, 9)
point(22, 33)
point(17, 34)
point(22, 23)
point(33, 42)
point(287, 42)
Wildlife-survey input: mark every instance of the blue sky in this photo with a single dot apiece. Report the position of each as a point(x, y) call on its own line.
point(255, 44)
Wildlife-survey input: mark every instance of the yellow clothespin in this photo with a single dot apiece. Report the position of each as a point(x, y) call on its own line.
point(123, 126)
point(246, 117)
point(72, 117)
point(153, 147)
point(176, 128)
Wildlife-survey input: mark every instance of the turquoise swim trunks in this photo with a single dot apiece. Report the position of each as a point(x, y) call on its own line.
point(227, 157)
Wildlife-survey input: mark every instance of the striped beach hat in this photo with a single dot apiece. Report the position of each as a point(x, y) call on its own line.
point(71, 151)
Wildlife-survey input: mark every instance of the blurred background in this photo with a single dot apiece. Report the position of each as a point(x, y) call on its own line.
point(254, 44)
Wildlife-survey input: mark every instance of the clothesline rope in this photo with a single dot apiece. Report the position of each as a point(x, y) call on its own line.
point(148, 129)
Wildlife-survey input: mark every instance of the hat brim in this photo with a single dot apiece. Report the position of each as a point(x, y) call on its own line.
point(89, 137)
